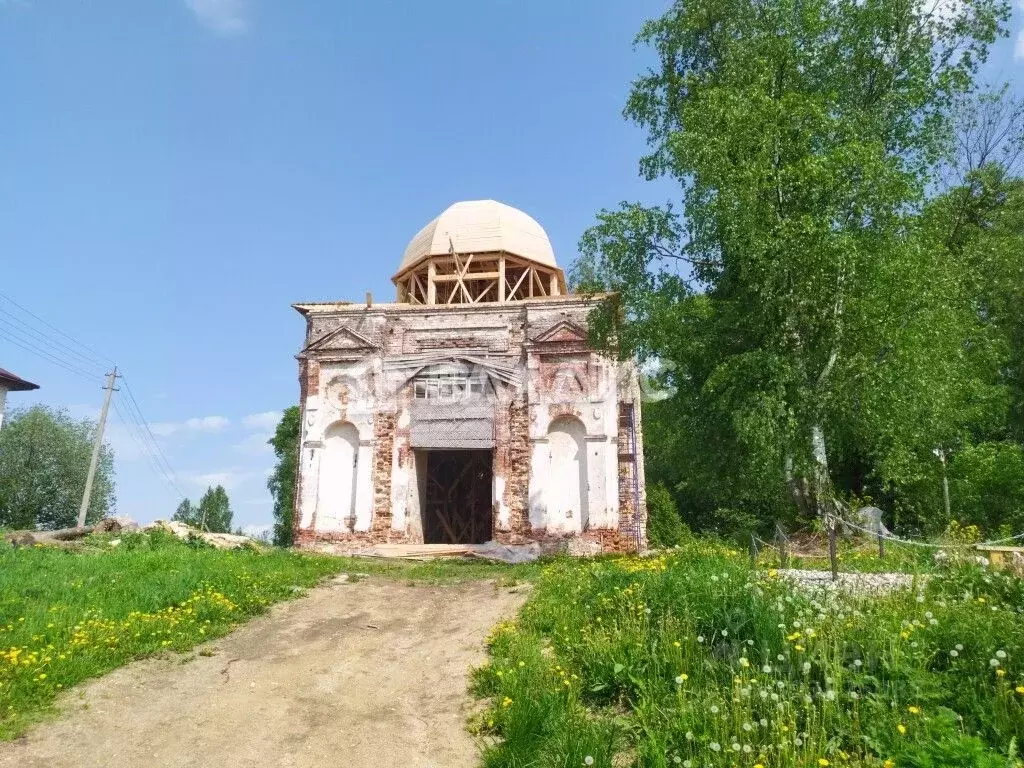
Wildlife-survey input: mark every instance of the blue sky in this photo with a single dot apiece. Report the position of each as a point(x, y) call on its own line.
point(175, 173)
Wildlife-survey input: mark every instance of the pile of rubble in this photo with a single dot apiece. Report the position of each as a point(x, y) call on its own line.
point(70, 538)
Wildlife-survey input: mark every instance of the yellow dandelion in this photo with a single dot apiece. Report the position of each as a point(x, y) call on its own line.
point(914, 710)
point(901, 728)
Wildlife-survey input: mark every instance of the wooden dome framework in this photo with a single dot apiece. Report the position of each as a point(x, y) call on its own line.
point(477, 278)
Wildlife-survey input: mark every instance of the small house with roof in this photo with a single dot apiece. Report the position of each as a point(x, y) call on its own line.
point(11, 383)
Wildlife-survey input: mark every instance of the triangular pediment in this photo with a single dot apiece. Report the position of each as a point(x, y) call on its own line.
point(341, 339)
point(562, 332)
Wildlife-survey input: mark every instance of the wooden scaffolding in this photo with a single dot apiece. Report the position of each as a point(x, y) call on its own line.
point(474, 278)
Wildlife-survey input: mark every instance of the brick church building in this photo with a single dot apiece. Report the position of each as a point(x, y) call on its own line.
point(472, 408)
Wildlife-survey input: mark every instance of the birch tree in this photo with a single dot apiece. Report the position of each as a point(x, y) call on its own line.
point(790, 283)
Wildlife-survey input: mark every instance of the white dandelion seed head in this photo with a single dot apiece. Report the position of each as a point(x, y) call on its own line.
point(714, 709)
point(954, 653)
point(715, 746)
point(959, 647)
point(1000, 654)
point(588, 760)
point(806, 667)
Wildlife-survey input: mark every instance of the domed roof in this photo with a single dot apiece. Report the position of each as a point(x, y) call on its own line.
point(481, 226)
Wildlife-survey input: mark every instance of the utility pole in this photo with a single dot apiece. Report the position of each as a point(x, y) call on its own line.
point(96, 446)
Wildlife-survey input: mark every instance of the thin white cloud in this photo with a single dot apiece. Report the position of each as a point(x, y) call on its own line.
point(229, 478)
point(199, 424)
point(225, 17)
point(255, 443)
point(266, 421)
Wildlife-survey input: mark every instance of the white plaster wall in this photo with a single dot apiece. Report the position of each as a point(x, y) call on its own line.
point(399, 476)
point(504, 514)
point(538, 483)
point(339, 464)
point(321, 412)
point(364, 487)
point(567, 492)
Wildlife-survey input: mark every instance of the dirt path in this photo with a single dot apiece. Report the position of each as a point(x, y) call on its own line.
point(371, 674)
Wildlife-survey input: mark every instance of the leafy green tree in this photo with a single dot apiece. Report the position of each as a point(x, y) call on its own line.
point(794, 290)
point(282, 482)
point(214, 511)
point(187, 513)
point(44, 458)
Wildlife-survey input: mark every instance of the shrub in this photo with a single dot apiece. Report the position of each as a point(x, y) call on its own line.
point(665, 528)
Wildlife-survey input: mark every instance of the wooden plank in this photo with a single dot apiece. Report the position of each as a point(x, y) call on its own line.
point(467, 276)
point(501, 278)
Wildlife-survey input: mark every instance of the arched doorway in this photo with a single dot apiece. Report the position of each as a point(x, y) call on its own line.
point(567, 477)
point(337, 498)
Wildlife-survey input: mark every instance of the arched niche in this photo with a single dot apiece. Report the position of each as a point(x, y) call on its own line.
point(336, 500)
point(567, 473)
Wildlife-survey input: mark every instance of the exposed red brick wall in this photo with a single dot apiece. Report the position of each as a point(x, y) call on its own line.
point(312, 377)
point(384, 442)
point(517, 470)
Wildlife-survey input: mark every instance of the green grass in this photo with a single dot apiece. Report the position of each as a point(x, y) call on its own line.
point(67, 616)
point(693, 659)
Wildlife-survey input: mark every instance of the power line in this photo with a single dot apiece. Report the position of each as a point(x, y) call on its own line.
point(147, 451)
point(90, 377)
point(57, 352)
point(152, 438)
point(59, 348)
point(29, 312)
